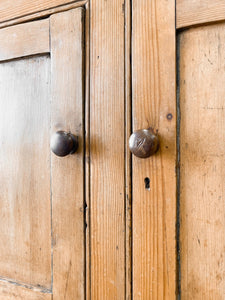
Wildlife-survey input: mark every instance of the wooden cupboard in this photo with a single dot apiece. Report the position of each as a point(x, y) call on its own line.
point(102, 223)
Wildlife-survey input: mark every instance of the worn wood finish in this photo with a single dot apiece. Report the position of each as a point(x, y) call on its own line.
point(25, 234)
point(192, 12)
point(24, 39)
point(43, 13)
point(188, 12)
point(154, 105)
point(202, 171)
point(24, 7)
point(128, 167)
point(87, 152)
point(67, 172)
point(107, 150)
point(9, 291)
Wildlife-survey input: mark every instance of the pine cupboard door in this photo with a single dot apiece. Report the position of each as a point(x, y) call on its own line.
point(202, 166)
point(41, 195)
point(201, 130)
point(183, 199)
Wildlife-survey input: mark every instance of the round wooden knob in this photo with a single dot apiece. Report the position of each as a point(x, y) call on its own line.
point(63, 143)
point(144, 143)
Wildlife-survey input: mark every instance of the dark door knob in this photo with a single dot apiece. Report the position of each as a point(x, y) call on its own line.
point(63, 143)
point(144, 143)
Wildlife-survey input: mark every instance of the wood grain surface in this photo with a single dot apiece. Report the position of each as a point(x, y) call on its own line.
point(9, 291)
point(68, 172)
point(202, 164)
point(21, 8)
point(154, 105)
point(188, 12)
point(24, 39)
point(43, 13)
point(25, 211)
point(107, 150)
point(192, 12)
point(128, 166)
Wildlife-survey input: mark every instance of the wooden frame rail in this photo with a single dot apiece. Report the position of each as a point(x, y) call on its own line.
point(192, 12)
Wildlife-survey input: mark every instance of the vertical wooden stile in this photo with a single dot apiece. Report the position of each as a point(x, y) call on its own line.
point(128, 123)
point(107, 209)
point(154, 105)
point(87, 152)
point(66, 30)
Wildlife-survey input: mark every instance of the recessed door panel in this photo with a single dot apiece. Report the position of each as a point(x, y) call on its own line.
point(202, 172)
point(25, 209)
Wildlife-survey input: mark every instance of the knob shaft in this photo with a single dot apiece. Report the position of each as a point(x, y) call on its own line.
point(144, 143)
point(63, 143)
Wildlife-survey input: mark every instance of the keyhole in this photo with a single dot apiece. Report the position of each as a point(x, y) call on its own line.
point(147, 183)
